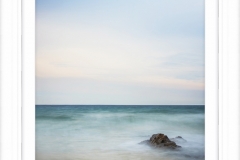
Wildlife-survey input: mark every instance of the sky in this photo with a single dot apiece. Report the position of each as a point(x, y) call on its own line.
point(142, 52)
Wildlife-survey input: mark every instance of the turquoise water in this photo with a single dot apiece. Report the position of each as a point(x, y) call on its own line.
point(97, 132)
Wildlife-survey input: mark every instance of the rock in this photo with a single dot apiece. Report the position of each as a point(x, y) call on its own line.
point(160, 141)
point(159, 138)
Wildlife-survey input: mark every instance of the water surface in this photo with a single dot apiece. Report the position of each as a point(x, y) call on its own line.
point(98, 132)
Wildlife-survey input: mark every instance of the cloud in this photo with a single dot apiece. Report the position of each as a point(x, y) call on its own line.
point(154, 47)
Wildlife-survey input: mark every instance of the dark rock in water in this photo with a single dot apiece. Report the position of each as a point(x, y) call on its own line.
point(160, 141)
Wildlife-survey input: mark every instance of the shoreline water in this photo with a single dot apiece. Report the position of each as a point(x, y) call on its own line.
point(75, 132)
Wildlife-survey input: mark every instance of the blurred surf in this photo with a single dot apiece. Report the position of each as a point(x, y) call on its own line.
point(114, 131)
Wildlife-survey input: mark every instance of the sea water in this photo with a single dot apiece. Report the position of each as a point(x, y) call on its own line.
point(113, 132)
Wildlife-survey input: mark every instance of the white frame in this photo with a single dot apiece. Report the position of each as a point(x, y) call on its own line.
point(229, 76)
point(10, 80)
point(28, 78)
point(211, 79)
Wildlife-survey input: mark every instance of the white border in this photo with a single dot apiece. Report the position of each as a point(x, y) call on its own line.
point(28, 78)
point(211, 79)
point(10, 79)
point(229, 79)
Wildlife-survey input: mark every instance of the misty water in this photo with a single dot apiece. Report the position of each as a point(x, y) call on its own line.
point(114, 132)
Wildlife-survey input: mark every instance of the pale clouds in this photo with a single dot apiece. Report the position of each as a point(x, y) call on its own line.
point(77, 55)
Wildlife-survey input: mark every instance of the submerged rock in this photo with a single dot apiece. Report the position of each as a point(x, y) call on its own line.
point(178, 139)
point(161, 141)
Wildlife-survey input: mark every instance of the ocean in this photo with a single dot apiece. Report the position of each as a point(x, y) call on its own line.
point(113, 132)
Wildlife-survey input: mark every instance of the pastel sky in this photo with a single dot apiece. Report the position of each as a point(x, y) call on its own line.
point(120, 52)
